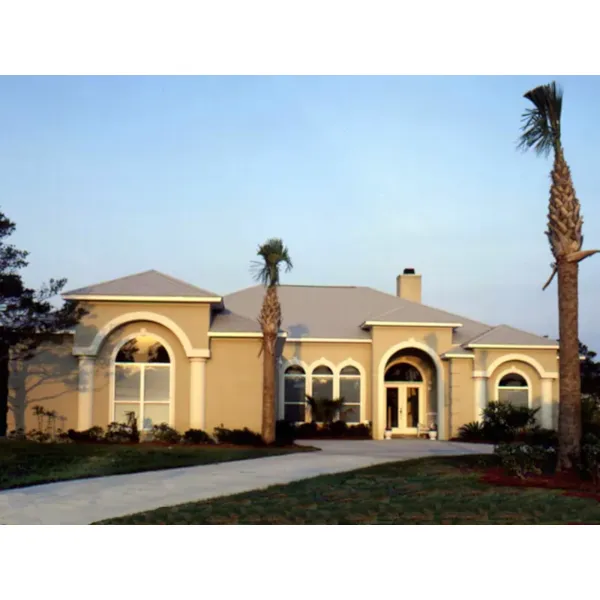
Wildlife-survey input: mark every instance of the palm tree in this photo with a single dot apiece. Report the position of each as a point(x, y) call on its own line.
point(273, 254)
point(542, 131)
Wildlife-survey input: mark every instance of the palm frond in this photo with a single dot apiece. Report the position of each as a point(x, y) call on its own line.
point(273, 254)
point(541, 124)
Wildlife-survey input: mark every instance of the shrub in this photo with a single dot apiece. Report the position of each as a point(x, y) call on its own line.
point(17, 434)
point(307, 431)
point(285, 433)
point(590, 416)
point(590, 458)
point(120, 433)
point(92, 435)
point(472, 432)
point(337, 429)
point(166, 434)
point(35, 435)
point(239, 437)
point(197, 436)
point(538, 436)
point(361, 430)
point(502, 421)
point(522, 459)
point(324, 410)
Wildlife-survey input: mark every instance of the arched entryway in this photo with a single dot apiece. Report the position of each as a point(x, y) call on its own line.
point(410, 391)
point(405, 397)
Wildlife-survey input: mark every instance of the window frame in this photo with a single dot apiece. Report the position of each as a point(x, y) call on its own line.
point(142, 366)
point(354, 377)
point(513, 371)
point(303, 403)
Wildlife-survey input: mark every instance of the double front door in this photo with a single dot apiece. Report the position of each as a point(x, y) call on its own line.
point(403, 407)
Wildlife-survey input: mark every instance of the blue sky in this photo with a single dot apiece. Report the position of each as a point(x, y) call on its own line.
point(360, 176)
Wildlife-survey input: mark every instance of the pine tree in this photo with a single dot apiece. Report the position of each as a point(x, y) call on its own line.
point(27, 316)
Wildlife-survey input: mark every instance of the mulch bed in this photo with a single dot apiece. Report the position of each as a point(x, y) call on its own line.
point(569, 483)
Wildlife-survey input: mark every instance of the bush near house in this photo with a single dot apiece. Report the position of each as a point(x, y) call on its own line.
point(197, 436)
point(165, 434)
point(333, 430)
point(238, 437)
point(501, 422)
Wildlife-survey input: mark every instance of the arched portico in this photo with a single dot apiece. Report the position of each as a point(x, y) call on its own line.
point(380, 405)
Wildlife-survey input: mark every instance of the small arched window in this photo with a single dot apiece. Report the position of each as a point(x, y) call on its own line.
point(294, 394)
point(403, 372)
point(322, 383)
point(513, 389)
point(142, 382)
point(350, 390)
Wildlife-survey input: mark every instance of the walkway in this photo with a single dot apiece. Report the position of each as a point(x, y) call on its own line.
point(88, 500)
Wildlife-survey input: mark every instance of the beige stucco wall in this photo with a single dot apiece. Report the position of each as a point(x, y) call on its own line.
point(193, 319)
point(234, 384)
point(461, 393)
point(49, 379)
point(485, 357)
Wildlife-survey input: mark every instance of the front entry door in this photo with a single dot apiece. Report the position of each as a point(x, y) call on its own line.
point(403, 408)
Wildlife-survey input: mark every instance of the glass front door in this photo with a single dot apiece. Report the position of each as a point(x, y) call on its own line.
point(403, 408)
point(412, 407)
point(391, 408)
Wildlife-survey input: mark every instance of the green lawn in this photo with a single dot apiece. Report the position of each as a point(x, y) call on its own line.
point(29, 463)
point(423, 491)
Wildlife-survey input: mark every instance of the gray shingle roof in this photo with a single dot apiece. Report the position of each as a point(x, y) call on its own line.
point(227, 321)
point(457, 351)
point(338, 312)
point(506, 335)
point(148, 283)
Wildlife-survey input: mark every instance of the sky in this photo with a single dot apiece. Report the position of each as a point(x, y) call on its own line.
point(360, 176)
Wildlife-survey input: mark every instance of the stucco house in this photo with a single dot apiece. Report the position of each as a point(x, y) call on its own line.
point(176, 353)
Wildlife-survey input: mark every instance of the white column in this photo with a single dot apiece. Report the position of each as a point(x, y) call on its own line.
point(197, 393)
point(85, 402)
point(546, 406)
point(481, 401)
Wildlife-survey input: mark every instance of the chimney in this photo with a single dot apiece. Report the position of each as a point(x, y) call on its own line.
point(408, 286)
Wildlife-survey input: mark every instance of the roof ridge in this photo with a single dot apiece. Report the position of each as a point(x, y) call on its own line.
point(106, 281)
point(405, 300)
point(177, 280)
point(528, 332)
point(480, 335)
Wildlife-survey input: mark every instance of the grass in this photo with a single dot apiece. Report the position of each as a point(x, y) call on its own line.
point(29, 463)
point(423, 491)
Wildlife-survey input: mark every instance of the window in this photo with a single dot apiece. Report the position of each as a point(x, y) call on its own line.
point(513, 389)
point(322, 383)
point(143, 382)
point(350, 391)
point(294, 394)
point(403, 372)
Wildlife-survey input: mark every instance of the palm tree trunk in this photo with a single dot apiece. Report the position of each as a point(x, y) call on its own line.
point(268, 417)
point(569, 415)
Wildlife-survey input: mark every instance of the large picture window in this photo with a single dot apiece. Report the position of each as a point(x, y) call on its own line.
point(350, 391)
point(513, 389)
point(295, 394)
point(322, 383)
point(142, 382)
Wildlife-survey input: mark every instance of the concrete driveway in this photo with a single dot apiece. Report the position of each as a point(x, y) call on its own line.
point(89, 500)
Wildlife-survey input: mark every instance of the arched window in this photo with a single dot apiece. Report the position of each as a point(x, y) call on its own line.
point(350, 391)
point(294, 394)
point(403, 372)
point(322, 383)
point(142, 382)
point(513, 389)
